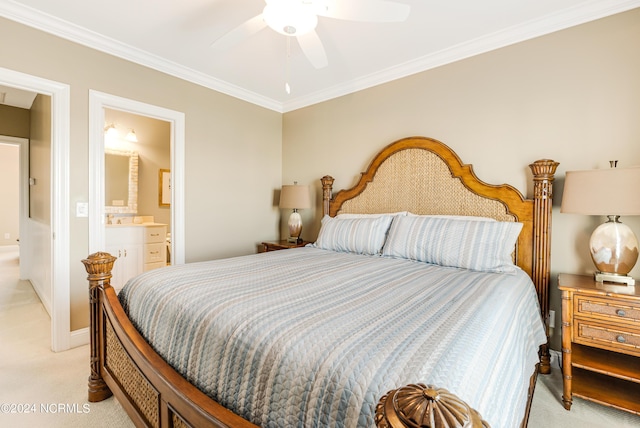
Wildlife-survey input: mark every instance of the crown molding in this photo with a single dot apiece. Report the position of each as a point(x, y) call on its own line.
point(561, 20)
point(577, 15)
point(77, 34)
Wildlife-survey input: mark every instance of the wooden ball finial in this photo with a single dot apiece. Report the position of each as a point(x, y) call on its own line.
point(425, 406)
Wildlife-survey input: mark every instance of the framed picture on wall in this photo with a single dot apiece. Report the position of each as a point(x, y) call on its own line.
point(164, 188)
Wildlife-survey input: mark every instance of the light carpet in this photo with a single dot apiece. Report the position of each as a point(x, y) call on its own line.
point(47, 389)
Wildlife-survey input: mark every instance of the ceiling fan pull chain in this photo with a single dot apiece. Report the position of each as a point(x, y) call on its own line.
point(286, 80)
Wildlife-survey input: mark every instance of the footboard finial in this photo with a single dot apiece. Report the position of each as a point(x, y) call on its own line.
point(98, 266)
point(420, 405)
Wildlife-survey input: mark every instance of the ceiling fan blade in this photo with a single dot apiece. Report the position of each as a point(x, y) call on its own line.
point(312, 47)
point(241, 32)
point(364, 10)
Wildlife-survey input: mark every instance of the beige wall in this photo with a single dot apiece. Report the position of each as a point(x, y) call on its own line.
point(14, 121)
point(233, 149)
point(40, 160)
point(9, 193)
point(572, 96)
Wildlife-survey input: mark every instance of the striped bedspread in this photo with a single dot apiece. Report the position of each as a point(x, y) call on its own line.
point(313, 338)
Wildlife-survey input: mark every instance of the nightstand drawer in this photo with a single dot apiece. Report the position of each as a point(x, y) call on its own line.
point(282, 245)
point(607, 336)
point(618, 309)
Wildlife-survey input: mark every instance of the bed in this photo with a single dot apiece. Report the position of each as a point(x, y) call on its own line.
point(324, 335)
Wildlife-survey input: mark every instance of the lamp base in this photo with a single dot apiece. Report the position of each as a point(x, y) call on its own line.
point(610, 277)
point(294, 240)
point(614, 251)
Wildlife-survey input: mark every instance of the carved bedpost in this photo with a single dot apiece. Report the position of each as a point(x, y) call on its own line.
point(327, 187)
point(420, 405)
point(543, 172)
point(98, 266)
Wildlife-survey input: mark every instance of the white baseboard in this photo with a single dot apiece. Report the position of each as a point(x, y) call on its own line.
point(45, 299)
point(79, 337)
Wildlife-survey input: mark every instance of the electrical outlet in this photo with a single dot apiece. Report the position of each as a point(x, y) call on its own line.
point(7, 236)
point(552, 319)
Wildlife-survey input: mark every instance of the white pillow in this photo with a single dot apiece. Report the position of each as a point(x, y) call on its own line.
point(469, 244)
point(354, 235)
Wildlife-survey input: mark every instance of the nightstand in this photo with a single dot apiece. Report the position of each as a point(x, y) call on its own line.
point(282, 245)
point(600, 342)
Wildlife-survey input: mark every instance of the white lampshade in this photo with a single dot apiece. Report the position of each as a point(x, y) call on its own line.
point(295, 197)
point(611, 192)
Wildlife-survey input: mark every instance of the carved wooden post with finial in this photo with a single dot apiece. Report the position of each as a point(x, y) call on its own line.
point(543, 176)
point(426, 406)
point(327, 185)
point(98, 266)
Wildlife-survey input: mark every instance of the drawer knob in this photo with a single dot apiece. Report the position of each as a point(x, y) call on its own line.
point(621, 313)
point(621, 339)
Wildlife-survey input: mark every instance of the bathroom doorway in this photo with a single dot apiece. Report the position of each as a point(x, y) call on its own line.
point(160, 135)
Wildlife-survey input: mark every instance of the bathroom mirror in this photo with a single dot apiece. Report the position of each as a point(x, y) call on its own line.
point(121, 182)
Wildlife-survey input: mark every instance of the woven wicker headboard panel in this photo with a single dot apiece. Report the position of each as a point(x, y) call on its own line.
point(419, 181)
point(424, 176)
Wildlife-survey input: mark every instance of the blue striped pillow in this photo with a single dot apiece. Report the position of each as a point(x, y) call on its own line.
point(476, 245)
point(354, 235)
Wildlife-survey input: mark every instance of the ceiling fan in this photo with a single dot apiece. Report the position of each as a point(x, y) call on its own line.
point(298, 18)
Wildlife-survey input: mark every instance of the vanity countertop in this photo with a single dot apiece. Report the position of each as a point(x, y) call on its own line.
point(135, 224)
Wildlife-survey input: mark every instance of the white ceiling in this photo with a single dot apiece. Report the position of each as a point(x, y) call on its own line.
point(175, 36)
point(16, 97)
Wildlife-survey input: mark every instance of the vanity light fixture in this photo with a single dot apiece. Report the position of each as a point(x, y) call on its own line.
point(111, 131)
point(131, 136)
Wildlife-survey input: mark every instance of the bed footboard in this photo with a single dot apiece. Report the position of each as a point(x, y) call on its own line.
point(154, 395)
point(123, 364)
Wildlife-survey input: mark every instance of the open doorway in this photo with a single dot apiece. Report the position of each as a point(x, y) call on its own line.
point(10, 191)
point(14, 215)
point(137, 206)
point(125, 114)
point(52, 239)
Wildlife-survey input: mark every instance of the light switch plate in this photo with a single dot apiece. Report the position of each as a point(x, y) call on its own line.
point(82, 209)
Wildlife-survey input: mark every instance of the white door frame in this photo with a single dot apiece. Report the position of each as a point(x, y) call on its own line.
point(60, 135)
point(23, 210)
point(98, 101)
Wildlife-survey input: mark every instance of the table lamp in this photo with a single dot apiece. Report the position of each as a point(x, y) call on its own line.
point(612, 192)
point(295, 197)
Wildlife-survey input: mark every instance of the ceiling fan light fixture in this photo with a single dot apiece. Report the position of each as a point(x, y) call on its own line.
point(289, 17)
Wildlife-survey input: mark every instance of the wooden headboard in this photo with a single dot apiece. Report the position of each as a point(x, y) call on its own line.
point(424, 176)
